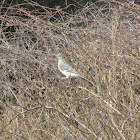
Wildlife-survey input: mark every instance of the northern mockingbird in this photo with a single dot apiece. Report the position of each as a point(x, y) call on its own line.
point(67, 70)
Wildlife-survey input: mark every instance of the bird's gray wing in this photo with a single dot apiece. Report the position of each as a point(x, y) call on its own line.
point(67, 67)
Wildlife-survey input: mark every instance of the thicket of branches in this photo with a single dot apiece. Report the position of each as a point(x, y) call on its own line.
point(100, 42)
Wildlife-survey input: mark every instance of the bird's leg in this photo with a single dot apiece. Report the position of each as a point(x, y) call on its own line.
point(63, 78)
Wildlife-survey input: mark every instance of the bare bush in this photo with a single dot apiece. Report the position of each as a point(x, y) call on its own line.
point(101, 42)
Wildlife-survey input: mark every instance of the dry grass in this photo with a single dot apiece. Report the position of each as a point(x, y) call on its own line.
point(102, 43)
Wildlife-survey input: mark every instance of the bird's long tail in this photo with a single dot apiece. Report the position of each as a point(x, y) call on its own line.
point(87, 80)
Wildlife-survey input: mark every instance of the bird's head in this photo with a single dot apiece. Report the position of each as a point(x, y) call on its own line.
point(58, 56)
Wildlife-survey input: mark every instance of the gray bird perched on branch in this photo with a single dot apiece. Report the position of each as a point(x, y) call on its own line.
point(67, 70)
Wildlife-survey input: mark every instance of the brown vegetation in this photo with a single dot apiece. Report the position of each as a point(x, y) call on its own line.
point(100, 42)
